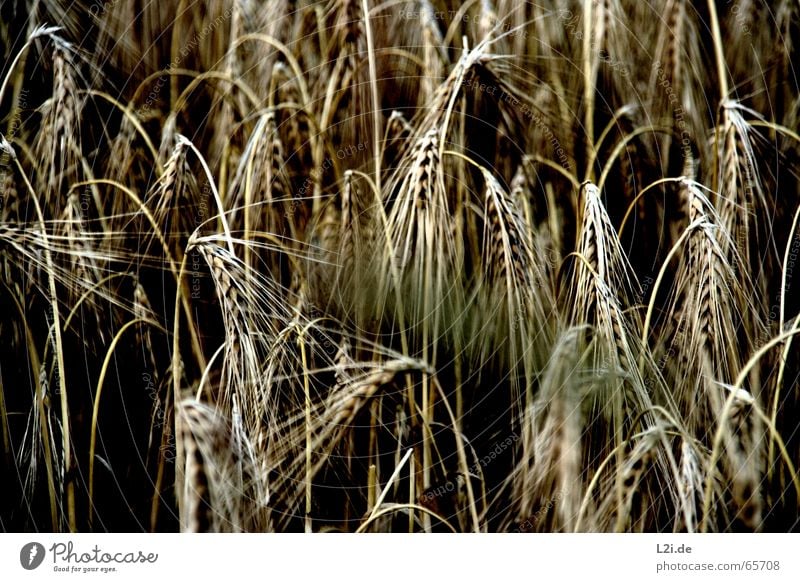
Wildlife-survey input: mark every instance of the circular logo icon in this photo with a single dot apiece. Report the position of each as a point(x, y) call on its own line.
point(31, 555)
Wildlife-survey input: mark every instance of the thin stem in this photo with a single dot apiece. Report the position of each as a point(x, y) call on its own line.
point(373, 81)
point(722, 71)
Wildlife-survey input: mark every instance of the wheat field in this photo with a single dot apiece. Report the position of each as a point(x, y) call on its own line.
point(490, 266)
